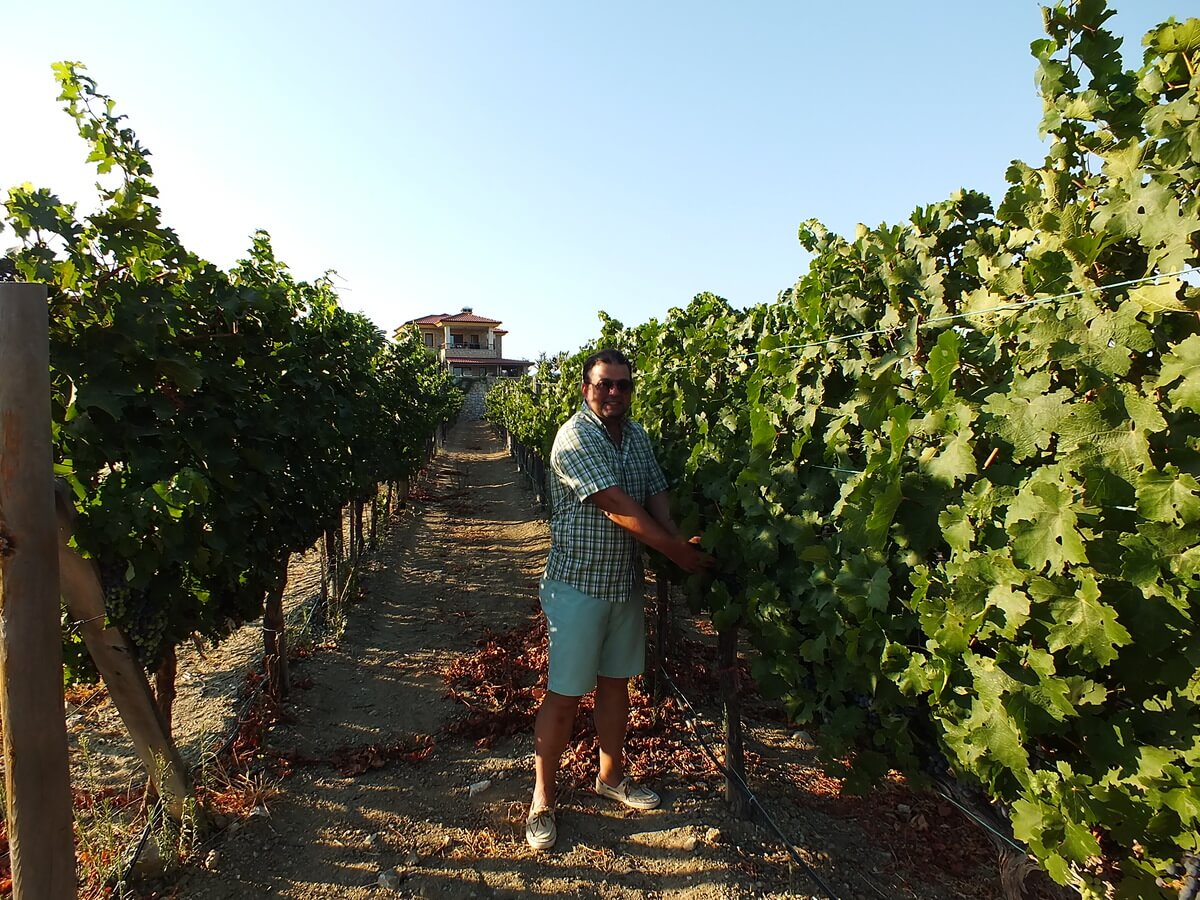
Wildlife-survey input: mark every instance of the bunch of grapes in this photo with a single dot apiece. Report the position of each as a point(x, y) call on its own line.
point(116, 593)
point(142, 622)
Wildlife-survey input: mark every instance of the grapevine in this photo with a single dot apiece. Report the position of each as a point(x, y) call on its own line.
point(952, 475)
point(208, 422)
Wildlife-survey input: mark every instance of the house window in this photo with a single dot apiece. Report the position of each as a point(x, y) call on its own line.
point(428, 339)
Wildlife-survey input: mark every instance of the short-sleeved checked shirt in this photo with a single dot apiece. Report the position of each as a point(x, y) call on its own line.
point(587, 550)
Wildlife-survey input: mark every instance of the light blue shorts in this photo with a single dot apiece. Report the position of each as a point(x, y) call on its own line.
point(590, 637)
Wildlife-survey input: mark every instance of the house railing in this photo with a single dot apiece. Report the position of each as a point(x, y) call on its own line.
point(468, 352)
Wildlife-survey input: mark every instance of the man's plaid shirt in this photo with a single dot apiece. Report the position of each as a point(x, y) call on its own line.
point(587, 550)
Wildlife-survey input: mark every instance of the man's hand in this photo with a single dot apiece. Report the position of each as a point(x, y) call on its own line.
point(624, 511)
point(689, 557)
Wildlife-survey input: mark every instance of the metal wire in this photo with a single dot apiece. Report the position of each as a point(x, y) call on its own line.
point(970, 814)
point(734, 777)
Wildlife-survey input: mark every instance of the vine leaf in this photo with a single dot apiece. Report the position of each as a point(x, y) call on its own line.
point(1028, 414)
point(1089, 628)
point(1183, 364)
point(991, 732)
point(1042, 523)
point(955, 462)
point(943, 362)
point(1169, 496)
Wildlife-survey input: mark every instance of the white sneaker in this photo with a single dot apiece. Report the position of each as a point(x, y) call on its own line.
point(628, 792)
point(540, 830)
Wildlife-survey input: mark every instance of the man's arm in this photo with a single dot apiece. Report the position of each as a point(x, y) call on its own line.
point(649, 529)
point(659, 506)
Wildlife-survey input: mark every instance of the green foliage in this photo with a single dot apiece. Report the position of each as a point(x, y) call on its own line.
point(209, 422)
point(952, 476)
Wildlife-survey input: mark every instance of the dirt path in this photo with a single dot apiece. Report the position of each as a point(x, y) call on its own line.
point(464, 561)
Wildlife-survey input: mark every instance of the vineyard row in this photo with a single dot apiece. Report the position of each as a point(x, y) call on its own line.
point(969, 538)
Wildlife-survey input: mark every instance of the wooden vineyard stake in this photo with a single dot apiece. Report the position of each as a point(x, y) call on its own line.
point(37, 778)
point(164, 686)
point(356, 531)
point(275, 661)
point(660, 650)
point(735, 754)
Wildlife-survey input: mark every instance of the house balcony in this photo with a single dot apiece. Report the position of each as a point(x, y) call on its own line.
point(467, 352)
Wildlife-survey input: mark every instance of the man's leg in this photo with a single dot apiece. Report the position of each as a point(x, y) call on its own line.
point(551, 731)
point(612, 720)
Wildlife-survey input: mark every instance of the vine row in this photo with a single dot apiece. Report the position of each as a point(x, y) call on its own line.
point(952, 476)
point(209, 422)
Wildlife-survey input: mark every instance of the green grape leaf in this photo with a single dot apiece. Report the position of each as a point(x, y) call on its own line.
point(1175, 37)
point(943, 362)
point(955, 462)
point(1013, 603)
point(1093, 442)
point(1158, 297)
point(956, 527)
point(762, 429)
point(1028, 415)
point(1087, 628)
point(1141, 561)
point(1186, 803)
point(1182, 364)
point(1042, 522)
point(991, 732)
point(1028, 820)
point(183, 375)
point(1169, 496)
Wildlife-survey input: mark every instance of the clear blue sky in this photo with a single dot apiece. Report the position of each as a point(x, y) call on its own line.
point(538, 161)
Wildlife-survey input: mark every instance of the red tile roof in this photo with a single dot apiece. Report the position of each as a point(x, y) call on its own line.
point(460, 318)
point(470, 318)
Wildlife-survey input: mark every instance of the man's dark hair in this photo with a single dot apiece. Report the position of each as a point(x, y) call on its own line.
point(607, 355)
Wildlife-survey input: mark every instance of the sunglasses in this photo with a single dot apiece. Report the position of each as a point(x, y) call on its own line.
point(624, 385)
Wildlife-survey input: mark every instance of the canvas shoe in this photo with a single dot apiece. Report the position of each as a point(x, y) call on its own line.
point(628, 792)
point(540, 830)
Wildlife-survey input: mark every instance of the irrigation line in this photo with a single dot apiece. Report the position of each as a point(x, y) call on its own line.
point(127, 873)
point(754, 801)
point(978, 820)
point(227, 741)
point(206, 758)
point(306, 611)
point(745, 789)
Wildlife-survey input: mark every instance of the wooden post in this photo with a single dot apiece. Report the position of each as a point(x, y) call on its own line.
point(164, 686)
point(331, 565)
point(372, 540)
point(275, 637)
point(735, 754)
point(36, 773)
point(356, 530)
point(662, 623)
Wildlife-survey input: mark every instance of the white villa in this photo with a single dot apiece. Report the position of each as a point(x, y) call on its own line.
point(468, 344)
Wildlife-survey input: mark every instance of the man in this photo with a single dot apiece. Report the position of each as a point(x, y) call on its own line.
point(607, 494)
